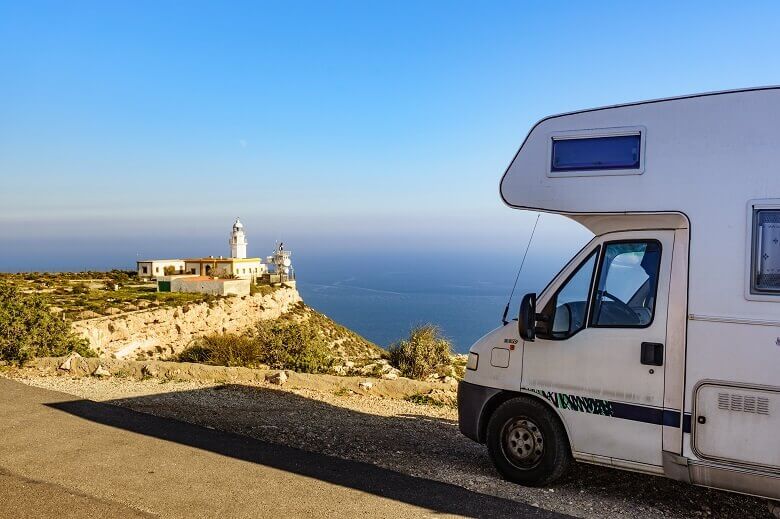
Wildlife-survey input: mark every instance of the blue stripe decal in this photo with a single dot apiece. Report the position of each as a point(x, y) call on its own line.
point(634, 412)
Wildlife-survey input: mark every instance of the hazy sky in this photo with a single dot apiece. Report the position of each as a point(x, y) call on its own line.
point(144, 128)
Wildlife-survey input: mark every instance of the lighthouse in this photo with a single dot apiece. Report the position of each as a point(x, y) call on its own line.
point(238, 241)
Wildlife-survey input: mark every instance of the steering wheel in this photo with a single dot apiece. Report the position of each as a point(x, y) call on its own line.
point(621, 304)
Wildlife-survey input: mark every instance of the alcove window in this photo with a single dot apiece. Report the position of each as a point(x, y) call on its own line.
point(765, 278)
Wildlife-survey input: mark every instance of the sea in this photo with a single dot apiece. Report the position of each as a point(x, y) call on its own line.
point(384, 297)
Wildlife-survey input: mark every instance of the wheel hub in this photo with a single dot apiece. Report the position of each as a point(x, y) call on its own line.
point(523, 443)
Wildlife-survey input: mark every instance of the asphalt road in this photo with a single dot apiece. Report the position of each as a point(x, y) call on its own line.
point(64, 457)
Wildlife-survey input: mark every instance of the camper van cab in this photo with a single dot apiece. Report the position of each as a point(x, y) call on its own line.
point(657, 347)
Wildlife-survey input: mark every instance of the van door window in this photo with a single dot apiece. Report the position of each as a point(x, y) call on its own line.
point(626, 287)
point(566, 313)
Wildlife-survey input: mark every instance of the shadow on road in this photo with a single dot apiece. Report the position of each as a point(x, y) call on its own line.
point(436, 496)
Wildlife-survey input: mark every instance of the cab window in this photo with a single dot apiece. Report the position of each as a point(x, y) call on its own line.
point(566, 313)
point(626, 287)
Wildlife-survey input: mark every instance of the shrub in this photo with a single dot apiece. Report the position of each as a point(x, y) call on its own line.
point(28, 329)
point(80, 288)
point(421, 353)
point(121, 276)
point(289, 344)
point(263, 290)
point(281, 344)
point(223, 350)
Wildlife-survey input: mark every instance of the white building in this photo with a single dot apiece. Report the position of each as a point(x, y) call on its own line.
point(237, 264)
point(151, 269)
point(206, 285)
point(242, 268)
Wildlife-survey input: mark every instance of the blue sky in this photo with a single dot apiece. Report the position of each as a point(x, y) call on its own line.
point(144, 128)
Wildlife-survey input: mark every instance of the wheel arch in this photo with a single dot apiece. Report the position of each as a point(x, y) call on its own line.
point(504, 396)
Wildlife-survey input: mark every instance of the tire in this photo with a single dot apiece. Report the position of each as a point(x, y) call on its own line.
point(774, 508)
point(527, 443)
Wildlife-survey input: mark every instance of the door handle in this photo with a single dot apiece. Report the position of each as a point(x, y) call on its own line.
point(652, 354)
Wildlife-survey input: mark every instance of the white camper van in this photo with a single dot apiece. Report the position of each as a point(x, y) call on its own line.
point(657, 347)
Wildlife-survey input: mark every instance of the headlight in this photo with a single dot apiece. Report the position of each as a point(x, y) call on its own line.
point(473, 361)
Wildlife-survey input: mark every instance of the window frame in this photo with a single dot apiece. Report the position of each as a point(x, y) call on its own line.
point(597, 281)
point(751, 293)
point(554, 298)
point(621, 131)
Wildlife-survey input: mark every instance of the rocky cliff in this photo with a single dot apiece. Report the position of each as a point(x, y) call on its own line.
point(166, 331)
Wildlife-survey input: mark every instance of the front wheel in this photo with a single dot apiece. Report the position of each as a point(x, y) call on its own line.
point(527, 442)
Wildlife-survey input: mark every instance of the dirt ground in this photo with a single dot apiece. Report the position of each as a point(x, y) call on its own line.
point(383, 428)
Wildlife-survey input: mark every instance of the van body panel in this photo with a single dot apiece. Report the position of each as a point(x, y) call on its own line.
point(579, 372)
point(734, 423)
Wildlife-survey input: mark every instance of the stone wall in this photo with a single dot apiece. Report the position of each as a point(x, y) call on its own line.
point(161, 332)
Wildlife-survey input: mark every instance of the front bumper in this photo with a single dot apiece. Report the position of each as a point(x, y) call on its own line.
point(472, 400)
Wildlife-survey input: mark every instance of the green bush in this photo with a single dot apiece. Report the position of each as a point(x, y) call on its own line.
point(422, 353)
point(280, 344)
point(28, 329)
point(223, 350)
point(80, 288)
point(263, 290)
point(289, 344)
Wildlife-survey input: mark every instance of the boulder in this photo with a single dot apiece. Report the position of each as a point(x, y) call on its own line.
point(366, 385)
point(67, 364)
point(278, 378)
point(389, 376)
point(101, 372)
point(149, 371)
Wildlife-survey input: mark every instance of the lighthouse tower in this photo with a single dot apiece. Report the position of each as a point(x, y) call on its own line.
point(238, 241)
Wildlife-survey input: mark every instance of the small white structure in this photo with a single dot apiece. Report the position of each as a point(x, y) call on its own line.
point(206, 285)
point(152, 269)
point(656, 348)
point(282, 262)
point(238, 241)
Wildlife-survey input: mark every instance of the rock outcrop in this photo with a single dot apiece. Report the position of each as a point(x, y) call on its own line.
point(161, 332)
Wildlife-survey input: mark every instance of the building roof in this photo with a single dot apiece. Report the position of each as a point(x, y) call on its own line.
point(220, 260)
point(158, 260)
point(198, 279)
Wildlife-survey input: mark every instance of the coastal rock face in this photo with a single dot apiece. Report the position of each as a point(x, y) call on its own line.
point(162, 332)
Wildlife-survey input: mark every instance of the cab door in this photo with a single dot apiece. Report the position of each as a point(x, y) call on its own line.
point(599, 349)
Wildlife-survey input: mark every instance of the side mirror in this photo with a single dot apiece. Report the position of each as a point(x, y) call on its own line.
point(526, 321)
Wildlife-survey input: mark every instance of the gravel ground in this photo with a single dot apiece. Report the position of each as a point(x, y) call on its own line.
point(420, 440)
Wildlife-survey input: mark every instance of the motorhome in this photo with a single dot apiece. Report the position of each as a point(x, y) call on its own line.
point(657, 347)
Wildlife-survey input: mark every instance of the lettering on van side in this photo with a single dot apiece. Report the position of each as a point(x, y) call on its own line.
point(582, 404)
point(623, 410)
